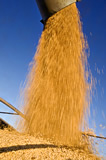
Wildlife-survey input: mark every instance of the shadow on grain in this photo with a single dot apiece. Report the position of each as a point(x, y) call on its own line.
point(25, 147)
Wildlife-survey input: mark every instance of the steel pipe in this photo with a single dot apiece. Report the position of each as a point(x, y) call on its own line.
point(13, 108)
point(9, 113)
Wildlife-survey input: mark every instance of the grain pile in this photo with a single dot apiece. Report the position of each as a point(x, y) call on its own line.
point(57, 91)
point(16, 146)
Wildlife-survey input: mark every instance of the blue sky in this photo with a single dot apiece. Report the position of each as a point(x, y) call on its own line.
point(20, 30)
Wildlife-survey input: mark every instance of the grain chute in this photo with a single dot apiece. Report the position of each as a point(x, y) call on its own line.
point(49, 7)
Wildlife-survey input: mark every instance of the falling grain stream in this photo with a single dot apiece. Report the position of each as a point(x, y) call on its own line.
point(57, 93)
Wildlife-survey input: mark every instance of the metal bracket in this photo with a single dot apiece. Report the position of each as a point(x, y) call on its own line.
point(13, 108)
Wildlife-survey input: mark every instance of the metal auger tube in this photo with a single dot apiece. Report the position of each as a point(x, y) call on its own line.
point(49, 7)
